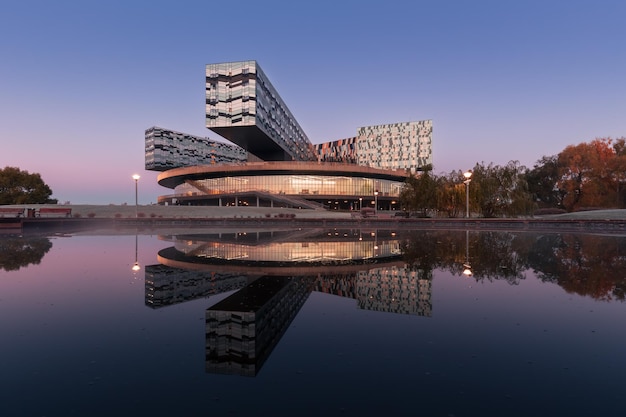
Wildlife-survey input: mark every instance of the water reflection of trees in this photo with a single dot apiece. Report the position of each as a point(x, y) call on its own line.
point(588, 265)
point(16, 252)
point(582, 264)
point(492, 255)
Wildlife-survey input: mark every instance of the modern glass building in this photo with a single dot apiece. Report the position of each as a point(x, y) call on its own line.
point(243, 106)
point(405, 145)
point(311, 185)
point(272, 162)
point(396, 146)
point(342, 150)
point(167, 149)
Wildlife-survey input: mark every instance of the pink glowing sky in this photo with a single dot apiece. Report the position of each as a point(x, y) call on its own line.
point(81, 81)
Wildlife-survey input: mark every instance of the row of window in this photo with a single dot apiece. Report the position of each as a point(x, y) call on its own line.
point(303, 185)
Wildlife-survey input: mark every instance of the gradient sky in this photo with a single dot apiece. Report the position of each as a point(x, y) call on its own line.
point(80, 81)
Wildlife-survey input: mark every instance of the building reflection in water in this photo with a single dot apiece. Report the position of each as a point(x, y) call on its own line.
point(166, 285)
point(274, 273)
point(243, 329)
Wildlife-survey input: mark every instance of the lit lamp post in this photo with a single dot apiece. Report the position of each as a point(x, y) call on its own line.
point(360, 203)
point(136, 178)
point(468, 179)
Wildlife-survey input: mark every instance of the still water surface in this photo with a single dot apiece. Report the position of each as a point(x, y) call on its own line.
point(313, 322)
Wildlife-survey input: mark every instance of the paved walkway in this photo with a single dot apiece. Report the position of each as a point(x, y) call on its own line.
point(187, 212)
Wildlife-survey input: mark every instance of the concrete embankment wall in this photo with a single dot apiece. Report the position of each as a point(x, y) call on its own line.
point(146, 224)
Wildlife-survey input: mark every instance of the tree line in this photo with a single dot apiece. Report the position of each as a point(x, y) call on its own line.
point(584, 176)
point(21, 187)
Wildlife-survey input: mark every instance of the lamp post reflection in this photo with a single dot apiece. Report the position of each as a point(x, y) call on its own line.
point(375, 236)
point(467, 268)
point(136, 266)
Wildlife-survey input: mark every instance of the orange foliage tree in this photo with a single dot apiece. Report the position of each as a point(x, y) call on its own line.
point(590, 173)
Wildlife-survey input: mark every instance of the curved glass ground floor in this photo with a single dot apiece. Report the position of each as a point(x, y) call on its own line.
point(280, 189)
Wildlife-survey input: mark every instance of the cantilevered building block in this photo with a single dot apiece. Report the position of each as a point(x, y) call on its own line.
point(243, 107)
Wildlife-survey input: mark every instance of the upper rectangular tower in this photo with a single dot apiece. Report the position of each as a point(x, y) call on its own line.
point(243, 107)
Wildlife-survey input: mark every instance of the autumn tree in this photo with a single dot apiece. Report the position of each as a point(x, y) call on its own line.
point(21, 187)
point(590, 174)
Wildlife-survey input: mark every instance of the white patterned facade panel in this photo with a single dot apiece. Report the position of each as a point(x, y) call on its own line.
point(168, 149)
point(406, 145)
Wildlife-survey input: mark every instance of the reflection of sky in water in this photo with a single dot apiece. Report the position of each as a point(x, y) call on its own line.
point(78, 338)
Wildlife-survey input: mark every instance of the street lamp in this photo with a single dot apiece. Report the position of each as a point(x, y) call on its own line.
point(468, 179)
point(360, 203)
point(136, 178)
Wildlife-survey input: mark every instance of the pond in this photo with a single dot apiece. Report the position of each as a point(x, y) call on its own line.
point(312, 322)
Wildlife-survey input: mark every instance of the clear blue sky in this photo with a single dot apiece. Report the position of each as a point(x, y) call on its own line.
point(80, 81)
